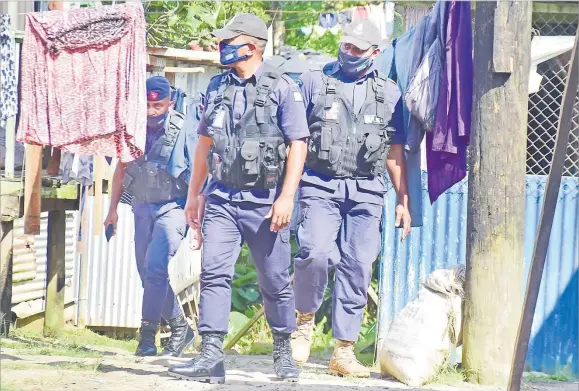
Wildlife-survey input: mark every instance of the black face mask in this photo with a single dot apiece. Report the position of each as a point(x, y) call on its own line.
point(353, 66)
point(156, 121)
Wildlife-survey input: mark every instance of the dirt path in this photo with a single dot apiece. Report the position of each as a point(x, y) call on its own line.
point(124, 372)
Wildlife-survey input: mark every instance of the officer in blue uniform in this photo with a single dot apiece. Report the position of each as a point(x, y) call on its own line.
point(355, 120)
point(253, 113)
point(158, 183)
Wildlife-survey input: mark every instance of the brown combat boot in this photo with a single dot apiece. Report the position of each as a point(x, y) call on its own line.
point(302, 338)
point(344, 362)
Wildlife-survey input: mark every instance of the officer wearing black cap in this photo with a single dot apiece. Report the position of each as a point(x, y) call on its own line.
point(253, 113)
point(355, 120)
point(158, 183)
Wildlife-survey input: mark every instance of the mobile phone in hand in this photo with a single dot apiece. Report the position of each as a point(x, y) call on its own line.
point(109, 232)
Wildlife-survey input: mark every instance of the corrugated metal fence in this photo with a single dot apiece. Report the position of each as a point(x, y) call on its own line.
point(115, 293)
point(29, 273)
point(441, 243)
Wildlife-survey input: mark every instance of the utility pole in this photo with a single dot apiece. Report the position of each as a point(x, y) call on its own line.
point(496, 199)
point(278, 27)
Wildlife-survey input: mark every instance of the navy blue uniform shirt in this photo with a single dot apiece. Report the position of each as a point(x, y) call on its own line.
point(358, 190)
point(291, 118)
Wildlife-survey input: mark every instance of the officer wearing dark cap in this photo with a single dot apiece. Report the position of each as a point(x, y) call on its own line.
point(355, 120)
point(253, 112)
point(158, 183)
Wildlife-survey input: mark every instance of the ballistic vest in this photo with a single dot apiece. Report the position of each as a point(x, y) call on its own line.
point(250, 154)
point(147, 178)
point(345, 144)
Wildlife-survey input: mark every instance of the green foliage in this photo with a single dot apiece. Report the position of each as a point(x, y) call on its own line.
point(177, 23)
point(298, 14)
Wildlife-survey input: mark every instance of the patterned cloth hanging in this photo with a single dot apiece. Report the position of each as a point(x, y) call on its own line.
point(8, 77)
point(83, 81)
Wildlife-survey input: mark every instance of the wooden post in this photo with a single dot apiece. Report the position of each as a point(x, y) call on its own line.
point(496, 199)
point(6, 235)
point(55, 273)
point(278, 27)
point(32, 189)
point(546, 221)
point(99, 163)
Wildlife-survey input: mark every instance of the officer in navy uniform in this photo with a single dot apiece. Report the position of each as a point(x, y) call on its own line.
point(356, 133)
point(158, 183)
point(253, 113)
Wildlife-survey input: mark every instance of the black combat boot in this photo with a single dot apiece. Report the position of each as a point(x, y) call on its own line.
point(283, 362)
point(147, 339)
point(208, 366)
point(182, 336)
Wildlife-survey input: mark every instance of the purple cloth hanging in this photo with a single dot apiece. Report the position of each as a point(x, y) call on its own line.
point(446, 145)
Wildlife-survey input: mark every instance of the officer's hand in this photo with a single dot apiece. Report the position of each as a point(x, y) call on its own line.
point(112, 218)
point(280, 213)
point(192, 212)
point(403, 216)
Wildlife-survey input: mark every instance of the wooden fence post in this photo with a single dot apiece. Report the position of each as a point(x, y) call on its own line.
point(55, 273)
point(496, 196)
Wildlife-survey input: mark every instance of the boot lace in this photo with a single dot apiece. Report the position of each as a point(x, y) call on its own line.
point(282, 354)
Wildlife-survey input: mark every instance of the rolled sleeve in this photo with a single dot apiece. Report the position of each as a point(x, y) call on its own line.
point(291, 114)
point(397, 122)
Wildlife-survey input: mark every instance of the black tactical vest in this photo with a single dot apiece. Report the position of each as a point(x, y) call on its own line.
point(250, 154)
point(147, 178)
point(344, 144)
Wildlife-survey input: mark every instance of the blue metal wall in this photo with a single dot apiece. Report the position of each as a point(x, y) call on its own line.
point(441, 243)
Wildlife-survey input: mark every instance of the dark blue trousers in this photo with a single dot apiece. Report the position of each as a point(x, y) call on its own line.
point(159, 230)
point(225, 227)
point(335, 231)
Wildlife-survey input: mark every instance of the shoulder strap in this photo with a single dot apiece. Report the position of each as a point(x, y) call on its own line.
point(379, 86)
point(176, 123)
point(265, 85)
point(221, 88)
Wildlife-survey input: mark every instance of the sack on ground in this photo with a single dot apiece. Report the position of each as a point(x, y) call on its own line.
point(421, 335)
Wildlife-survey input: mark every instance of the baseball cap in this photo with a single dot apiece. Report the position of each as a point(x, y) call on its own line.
point(243, 24)
point(362, 34)
point(158, 88)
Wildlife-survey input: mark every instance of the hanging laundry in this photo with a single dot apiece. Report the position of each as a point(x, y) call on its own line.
point(328, 20)
point(377, 15)
point(8, 76)
point(76, 168)
point(83, 81)
point(446, 145)
point(360, 13)
point(178, 96)
point(344, 17)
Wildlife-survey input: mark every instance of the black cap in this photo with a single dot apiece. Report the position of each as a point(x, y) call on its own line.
point(362, 34)
point(243, 24)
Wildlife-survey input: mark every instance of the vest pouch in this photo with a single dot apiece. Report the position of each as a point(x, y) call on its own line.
point(152, 176)
point(270, 175)
point(216, 164)
point(128, 181)
point(249, 155)
point(325, 143)
point(335, 153)
point(372, 144)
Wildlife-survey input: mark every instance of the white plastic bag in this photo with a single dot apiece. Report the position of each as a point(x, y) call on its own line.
point(421, 335)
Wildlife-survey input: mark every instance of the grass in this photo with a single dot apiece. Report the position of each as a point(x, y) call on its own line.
point(449, 375)
point(71, 343)
point(561, 376)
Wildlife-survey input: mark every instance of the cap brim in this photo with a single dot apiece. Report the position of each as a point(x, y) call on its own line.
point(225, 33)
point(356, 42)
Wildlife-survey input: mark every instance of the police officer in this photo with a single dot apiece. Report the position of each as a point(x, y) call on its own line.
point(253, 112)
point(354, 116)
point(158, 183)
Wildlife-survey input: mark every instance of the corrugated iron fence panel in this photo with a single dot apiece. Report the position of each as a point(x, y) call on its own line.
point(30, 261)
point(441, 243)
point(115, 292)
